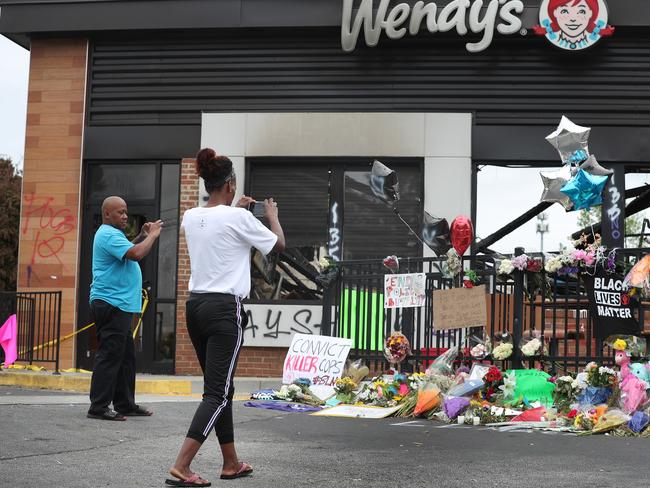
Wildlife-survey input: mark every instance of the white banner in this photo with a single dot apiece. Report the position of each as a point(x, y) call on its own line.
point(404, 290)
point(321, 359)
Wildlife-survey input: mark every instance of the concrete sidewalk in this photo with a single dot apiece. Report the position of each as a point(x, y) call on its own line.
point(145, 383)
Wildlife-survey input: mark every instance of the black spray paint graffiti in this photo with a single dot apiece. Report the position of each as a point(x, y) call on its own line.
point(301, 323)
point(334, 248)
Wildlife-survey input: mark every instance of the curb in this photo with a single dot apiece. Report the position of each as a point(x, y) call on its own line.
point(144, 383)
point(80, 382)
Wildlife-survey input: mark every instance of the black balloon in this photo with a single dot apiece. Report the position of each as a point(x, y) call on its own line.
point(383, 182)
point(435, 234)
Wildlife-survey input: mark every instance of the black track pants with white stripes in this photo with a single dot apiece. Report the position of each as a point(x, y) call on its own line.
point(215, 322)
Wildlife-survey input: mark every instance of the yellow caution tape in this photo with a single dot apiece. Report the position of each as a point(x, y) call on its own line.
point(145, 303)
point(75, 370)
point(28, 367)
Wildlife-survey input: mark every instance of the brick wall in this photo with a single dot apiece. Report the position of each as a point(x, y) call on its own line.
point(253, 361)
point(186, 362)
point(49, 224)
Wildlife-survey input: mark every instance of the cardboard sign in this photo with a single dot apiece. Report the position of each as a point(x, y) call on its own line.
point(404, 290)
point(459, 307)
point(318, 358)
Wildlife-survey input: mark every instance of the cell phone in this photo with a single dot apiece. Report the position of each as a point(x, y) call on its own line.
point(257, 208)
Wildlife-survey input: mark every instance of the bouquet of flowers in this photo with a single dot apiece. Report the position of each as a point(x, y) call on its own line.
point(503, 346)
point(532, 344)
point(383, 392)
point(632, 345)
point(396, 348)
point(600, 376)
point(453, 265)
point(299, 391)
point(566, 389)
point(391, 263)
point(479, 347)
point(601, 382)
point(492, 379)
point(345, 389)
point(328, 271)
point(520, 263)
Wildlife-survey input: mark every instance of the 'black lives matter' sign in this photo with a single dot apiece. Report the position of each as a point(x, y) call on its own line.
point(611, 306)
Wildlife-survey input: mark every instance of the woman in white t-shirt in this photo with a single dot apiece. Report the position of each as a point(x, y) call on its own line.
point(219, 239)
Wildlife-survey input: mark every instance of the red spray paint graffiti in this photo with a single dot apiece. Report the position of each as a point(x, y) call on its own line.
point(49, 232)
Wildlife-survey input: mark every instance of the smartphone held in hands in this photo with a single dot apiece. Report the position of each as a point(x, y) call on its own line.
point(257, 208)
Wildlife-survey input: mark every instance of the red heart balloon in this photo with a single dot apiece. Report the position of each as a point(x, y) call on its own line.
point(462, 234)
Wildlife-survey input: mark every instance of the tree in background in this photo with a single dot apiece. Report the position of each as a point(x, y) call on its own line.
point(633, 225)
point(10, 187)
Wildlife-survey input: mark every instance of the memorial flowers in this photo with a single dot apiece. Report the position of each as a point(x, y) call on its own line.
point(396, 348)
point(532, 344)
point(345, 389)
point(503, 346)
point(564, 394)
point(299, 391)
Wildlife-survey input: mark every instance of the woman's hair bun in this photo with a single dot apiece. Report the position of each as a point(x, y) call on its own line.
point(203, 160)
point(212, 168)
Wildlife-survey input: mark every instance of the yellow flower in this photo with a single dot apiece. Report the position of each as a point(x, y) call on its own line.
point(620, 345)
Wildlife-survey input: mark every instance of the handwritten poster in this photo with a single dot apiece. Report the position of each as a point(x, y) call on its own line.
point(319, 358)
point(359, 412)
point(459, 307)
point(404, 290)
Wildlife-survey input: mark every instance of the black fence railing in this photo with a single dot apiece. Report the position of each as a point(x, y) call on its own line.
point(38, 318)
point(558, 307)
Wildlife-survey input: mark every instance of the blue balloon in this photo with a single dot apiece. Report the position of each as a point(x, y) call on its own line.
point(585, 190)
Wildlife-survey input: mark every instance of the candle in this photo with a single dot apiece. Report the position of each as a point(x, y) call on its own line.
point(476, 420)
point(461, 419)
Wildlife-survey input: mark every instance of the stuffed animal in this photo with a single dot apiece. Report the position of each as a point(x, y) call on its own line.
point(641, 371)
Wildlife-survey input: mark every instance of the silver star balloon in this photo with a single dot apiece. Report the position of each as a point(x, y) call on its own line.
point(593, 167)
point(553, 183)
point(571, 141)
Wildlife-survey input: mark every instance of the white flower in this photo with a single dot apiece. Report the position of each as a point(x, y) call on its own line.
point(502, 351)
point(566, 379)
point(509, 384)
point(575, 384)
point(531, 347)
point(553, 265)
point(506, 267)
point(605, 370)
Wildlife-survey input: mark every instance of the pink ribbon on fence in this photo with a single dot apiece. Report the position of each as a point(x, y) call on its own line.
point(9, 340)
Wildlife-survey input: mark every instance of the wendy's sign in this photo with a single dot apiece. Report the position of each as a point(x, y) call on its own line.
point(573, 24)
point(479, 17)
point(568, 24)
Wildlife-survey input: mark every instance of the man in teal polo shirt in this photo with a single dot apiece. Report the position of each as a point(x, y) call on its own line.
point(115, 295)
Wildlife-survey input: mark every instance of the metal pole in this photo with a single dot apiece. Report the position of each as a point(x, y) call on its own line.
point(518, 312)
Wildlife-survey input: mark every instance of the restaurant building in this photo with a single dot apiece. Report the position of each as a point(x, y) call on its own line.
point(302, 96)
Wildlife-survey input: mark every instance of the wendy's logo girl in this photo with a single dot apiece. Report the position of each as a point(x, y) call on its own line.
point(573, 24)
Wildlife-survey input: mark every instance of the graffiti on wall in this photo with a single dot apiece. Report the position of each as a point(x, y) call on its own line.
point(50, 226)
point(334, 246)
point(274, 325)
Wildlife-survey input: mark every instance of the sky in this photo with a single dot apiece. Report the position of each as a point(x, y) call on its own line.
point(503, 193)
point(14, 75)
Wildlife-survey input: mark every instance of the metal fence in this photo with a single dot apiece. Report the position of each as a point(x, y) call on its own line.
point(558, 308)
point(38, 317)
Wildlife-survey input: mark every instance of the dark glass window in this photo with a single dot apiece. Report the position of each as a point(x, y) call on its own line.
point(129, 181)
